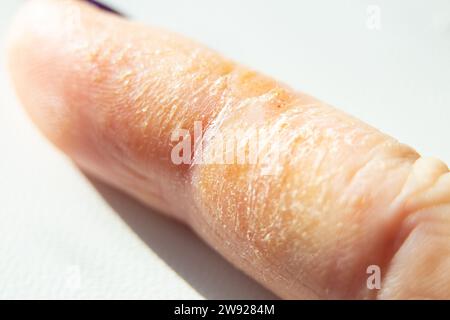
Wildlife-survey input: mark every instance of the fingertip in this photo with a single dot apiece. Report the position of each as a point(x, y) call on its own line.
point(34, 64)
point(49, 47)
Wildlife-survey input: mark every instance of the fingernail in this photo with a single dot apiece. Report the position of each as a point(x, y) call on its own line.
point(104, 7)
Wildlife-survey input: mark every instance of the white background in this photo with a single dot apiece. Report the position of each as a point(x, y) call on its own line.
point(64, 236)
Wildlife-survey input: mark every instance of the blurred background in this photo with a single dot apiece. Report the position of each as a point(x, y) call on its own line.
point(63, 235)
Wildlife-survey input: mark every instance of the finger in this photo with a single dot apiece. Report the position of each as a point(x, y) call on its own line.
point(326, 197)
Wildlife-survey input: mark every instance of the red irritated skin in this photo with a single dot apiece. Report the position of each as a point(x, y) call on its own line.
point(326, 199)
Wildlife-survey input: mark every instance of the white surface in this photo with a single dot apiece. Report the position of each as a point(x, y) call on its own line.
point(63, 236)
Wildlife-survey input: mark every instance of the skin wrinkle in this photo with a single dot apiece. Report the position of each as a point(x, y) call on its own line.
point(412, 228)
point(401, 201)
point(391, 231)
point(436, 195)
point(412, 190)
point(377, 157)
point(404, 215)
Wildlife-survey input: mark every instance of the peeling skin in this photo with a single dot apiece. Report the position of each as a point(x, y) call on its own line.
point(330, 176)
point(340, 197)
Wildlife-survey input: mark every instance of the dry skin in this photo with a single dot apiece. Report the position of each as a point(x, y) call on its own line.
point(340, 196)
